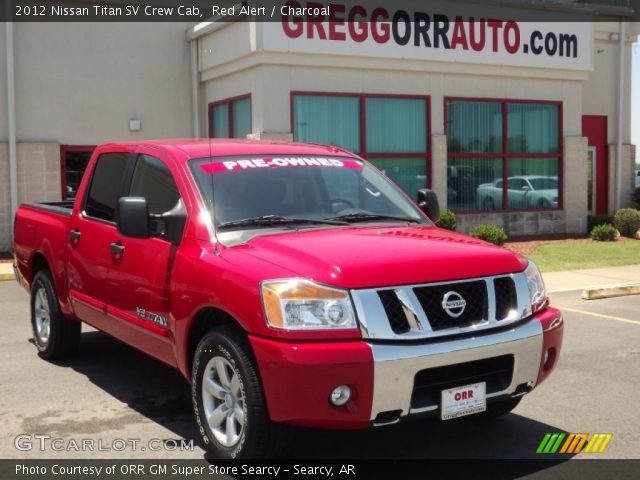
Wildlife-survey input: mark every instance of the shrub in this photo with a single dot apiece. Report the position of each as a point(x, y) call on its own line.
point(627, 221)
point(447, 220)
point(603, 233)
point(489, 233)
point(595, 220)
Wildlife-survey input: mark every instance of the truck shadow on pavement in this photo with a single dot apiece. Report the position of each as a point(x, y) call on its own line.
point(160, 394)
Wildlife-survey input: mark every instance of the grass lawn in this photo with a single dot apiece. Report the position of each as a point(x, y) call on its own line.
point(586, 254)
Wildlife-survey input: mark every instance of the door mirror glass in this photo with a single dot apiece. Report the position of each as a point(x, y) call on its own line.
point(428, 203)
point(132, 217)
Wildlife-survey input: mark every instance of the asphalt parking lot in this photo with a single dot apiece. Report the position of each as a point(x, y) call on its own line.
point(111, 391)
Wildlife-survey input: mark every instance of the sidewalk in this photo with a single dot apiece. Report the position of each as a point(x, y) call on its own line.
point(581, 279)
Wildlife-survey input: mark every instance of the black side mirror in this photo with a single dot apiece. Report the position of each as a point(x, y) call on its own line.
point(132, 217)
point(170, 224)
point(428, 203)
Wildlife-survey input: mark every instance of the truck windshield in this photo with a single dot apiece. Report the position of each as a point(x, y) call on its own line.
point(260, 191)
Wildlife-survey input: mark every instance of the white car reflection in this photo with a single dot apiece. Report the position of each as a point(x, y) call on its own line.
point(525, 191)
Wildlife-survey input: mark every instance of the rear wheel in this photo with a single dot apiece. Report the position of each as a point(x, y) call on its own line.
point(228, 401)
point(55, 336)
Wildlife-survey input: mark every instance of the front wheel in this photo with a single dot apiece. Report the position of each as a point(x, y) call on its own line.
point(228, 401)
point(55, 336)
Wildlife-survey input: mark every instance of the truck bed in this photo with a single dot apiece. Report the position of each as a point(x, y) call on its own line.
point(62, 208)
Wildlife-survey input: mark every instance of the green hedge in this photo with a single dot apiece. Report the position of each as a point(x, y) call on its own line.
point(627, 221)
point(603, 233)
point(489, 233)
point(447, 220)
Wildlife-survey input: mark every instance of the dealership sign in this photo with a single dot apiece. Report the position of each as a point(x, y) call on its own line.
point(429, 31)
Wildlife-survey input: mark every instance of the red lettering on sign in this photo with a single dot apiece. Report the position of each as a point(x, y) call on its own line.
point(512, 45)
point(336, 21)
point(380, 31)
point(294, 28)
point(477, 45)
point(359, 31)
point(495, 25)
point(459, 35)
point(315, 22)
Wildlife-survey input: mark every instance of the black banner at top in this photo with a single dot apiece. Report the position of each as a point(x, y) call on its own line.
point(196, 11)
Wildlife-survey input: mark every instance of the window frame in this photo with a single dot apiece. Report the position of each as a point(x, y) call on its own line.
point(363, 125)
point(229, 102)
point(64, 149)
point(505, 155)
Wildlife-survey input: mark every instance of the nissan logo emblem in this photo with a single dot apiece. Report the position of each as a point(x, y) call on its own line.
point(453, 304)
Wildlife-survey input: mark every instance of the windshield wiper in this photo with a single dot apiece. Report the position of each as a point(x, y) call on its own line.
point(365, 217)
point(268, 220)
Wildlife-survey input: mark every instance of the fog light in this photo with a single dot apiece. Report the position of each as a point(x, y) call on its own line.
point(340, 395)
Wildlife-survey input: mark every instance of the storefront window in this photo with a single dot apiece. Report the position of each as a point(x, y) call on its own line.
point(502, 155)
point(230, 118)
point(329, 120)
point(474, 127)
point(395, 136)
point(533, 128)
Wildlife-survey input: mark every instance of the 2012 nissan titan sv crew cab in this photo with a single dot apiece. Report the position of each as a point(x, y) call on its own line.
point(290, 284)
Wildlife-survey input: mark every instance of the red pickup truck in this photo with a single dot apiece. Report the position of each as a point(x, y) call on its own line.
point(290, 284)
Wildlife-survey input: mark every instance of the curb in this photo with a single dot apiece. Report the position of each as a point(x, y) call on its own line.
point(610, 291)
point(7, 276)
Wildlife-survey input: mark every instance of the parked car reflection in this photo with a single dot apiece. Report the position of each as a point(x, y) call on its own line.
point(525, 191)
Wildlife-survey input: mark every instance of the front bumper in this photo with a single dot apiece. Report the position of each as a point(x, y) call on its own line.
point(298, 377)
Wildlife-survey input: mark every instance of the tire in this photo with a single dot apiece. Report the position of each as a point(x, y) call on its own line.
point(55, 336)
point(230, 411)
point(502, 407)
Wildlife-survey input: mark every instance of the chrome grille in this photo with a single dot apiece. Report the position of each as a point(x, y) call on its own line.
point(475, 311)
point(411, 312)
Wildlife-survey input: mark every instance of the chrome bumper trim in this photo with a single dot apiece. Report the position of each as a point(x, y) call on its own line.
point(395, 365)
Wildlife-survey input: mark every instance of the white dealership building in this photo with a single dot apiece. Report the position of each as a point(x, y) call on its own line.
point(520, 118)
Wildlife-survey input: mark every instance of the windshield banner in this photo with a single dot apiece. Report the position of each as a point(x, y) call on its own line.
point(279, 162)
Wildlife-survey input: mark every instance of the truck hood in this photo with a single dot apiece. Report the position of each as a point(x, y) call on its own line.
point(362, 257)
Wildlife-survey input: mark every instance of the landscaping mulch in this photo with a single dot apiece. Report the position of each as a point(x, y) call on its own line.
point(526, 245)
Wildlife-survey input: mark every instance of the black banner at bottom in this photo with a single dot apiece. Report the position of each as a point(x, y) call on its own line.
point(317, 469)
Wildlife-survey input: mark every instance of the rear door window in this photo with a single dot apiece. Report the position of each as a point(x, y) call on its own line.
point(106, 185)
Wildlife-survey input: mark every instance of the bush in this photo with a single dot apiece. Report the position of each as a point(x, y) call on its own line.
point(603, 233)
point(627, 221)
point(489, 233)
point(447, 220)
point(595, 220)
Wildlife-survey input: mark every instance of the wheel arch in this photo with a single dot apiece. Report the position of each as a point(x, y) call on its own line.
point(204, 320)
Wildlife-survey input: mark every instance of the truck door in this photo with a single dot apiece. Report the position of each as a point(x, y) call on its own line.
point(140, 271)
point(91, 226)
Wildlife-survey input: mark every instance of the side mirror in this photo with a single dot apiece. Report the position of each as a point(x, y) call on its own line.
point(170, 224)
point(428, 203)
point(526, 188)
point(132, 217)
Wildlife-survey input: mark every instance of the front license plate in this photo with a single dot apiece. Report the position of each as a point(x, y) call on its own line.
point(461, 401)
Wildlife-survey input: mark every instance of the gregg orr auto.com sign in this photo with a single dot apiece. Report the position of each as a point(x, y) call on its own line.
point(478, 35)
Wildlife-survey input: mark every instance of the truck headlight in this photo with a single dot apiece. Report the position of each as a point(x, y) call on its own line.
point(298, 304)
point(537, 291)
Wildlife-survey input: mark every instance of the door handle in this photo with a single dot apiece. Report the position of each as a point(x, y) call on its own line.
point(116, 249)
point(74, 235)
